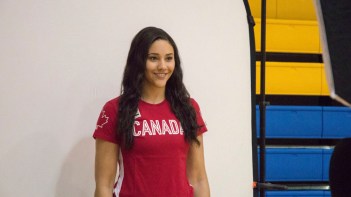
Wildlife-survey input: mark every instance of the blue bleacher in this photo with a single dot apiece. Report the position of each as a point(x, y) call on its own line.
point(297, 164)
point(327, 153)
point(294, 164)
point(306, 122)
point(302, 164)
point(302, 193)
point(336, 122)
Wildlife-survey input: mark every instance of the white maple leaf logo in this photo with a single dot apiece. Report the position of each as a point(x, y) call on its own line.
point(104, 121)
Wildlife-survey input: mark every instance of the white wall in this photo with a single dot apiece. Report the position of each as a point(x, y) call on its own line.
point(61, 60)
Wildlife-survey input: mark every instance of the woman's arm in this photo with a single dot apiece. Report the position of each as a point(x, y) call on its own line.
point(106, 157)
point(196, 170)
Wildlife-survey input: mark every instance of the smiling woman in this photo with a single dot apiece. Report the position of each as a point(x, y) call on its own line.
point(154, 122)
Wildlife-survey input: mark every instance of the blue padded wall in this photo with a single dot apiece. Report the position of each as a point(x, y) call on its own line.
point(292, 121)
point(311, 122)
point(327, 153)
point(296, 164)
point(336, 122)
point(316, 193)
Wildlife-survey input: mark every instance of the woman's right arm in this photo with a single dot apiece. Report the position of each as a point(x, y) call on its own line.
point(106, 157)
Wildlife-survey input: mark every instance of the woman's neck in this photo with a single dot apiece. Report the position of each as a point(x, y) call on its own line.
point(153, 96)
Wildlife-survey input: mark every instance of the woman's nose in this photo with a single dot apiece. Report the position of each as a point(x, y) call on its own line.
point(161, 64)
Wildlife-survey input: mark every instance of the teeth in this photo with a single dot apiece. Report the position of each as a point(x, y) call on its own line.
point(160, 74)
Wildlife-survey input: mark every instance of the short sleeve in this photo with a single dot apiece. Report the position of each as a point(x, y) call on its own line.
point(106, 123)
point(199, 118)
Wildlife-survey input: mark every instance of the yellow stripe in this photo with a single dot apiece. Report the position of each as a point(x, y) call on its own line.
point(285, 9)
point(292, 28)
point(291, 78)
point(289, 36)
point(325, 89)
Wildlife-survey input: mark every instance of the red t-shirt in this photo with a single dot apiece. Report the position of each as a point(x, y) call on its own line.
point(156, 165)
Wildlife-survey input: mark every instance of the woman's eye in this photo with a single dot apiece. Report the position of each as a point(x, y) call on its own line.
point(169, 58)
point(152, 58)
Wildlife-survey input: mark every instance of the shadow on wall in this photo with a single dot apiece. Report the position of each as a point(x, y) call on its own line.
point(77, 173)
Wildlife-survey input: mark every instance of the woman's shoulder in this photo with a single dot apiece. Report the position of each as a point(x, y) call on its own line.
point(114, 100)
point(194, 103)
point(112, 103)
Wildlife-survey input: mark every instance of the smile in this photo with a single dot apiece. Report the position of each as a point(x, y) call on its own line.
point(160, 75)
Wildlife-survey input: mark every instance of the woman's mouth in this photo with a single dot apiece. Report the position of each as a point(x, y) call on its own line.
point(160, 75)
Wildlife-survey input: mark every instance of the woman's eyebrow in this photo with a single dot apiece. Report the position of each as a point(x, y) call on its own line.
point(168, 54)
point(153, 54)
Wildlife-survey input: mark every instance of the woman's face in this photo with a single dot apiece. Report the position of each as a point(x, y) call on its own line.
point(159, 65)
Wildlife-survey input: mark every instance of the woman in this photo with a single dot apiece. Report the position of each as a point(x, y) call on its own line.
point(153, 130)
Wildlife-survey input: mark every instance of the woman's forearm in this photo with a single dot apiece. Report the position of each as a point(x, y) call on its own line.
point(105, 167)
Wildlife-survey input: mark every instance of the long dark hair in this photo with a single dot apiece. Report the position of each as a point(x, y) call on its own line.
point(133, 77)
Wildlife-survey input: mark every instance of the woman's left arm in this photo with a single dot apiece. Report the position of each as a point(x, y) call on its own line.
point(196, 171)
